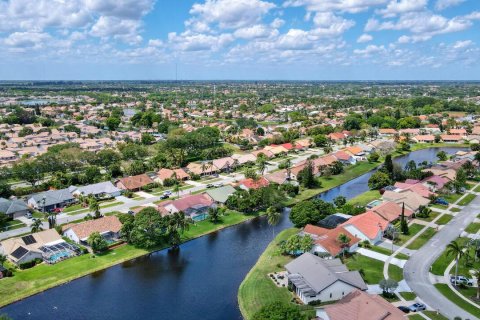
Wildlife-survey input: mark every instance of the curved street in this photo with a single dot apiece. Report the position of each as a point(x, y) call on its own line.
point(417, 269)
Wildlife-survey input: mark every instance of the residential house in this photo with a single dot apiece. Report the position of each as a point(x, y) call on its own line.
point(326, 241)
point(435, 183)
point(345, 157)
point(51, 200)
point(195, 206)
point(202, 169)
point(387, 132)
point(355, 151)
point(412, 200)
point(98, 190)
point(224, 164)
point(451, 138)
point(267, 153)
point(134, 183)
point(13, 208)
point(426, 138)
point(367, 226)
point(221, 194)
point(333, 220)
point(278, 177)
point(359, 305)
point(242, 159)
point(391, 211)
point(250, 183)
point(178, 174)
point(30, 247)
point(109, 228)
point(315, 279)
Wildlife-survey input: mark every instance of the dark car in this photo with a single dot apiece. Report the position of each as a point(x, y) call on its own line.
point(417, 307)
point(404, 309)
point(209, 186)
point(164, 196)
point(442, 201)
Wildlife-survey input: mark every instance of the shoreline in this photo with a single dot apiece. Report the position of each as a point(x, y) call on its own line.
point(143, 252)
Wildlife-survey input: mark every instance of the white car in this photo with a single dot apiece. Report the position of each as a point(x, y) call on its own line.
point(462, 279)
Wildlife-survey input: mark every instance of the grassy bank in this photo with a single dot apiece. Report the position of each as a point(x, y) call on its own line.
point(257, 289)
point(42, 277)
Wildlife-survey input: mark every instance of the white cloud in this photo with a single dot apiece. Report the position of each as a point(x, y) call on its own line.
point(444, 4)
point(328, 24)
point(295, 39)
point(277, 23)
point(32, 40)
point(350, 6)
point(256, 31)
point(364, 38)
point(125, 9)
point(199, 42)
point(230, 14)
point(369, 50)
point(402, 6)
point(155, 43)
point(423, 25)
point(123, 29)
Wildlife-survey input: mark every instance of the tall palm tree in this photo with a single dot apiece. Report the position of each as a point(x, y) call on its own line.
point(288, 166)
point(262, 165)
point(177, 223)
point(273, 218)
point(36, 225)
point(204, 167)
point(454, 249)
point(95, 207)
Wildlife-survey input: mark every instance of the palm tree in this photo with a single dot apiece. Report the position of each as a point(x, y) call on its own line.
point(177, 223)
point(262, 165)
point(273, 218)
point(95, 207)
point(52, 219)
point(476, 274)
point(214, 214)
point(288, 166)
point(454, 249)
point(204, 167)
point(327, 149)
point(176, 189)
point(3, 258)
point(36, 225)
point(345, 241)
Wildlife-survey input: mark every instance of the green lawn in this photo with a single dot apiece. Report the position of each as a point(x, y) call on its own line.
point(444, 219)
point(415, 317)
point(409, 296)
point(467, 199)
point(452, 198)
point(111, 204)
point(455, 210)
point(450, 295)
point(371, 268)
point(477, 189)
point(432, 216)
point(365, 198)
point(257, 289)
point(388, 252)
point(442, 262)
point(14, 224)
point(394, 272)
point(434, 316)
point(473, 227)
point(413, 230)
point(422, 239)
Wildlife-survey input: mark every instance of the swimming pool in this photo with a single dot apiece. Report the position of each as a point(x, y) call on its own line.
point(54, 258)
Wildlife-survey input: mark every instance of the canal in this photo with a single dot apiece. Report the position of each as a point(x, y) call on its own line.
point(198, 282)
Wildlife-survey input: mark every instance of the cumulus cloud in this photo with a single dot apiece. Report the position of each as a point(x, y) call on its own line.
point(444, 4)
point(369, 50)
point(199, 42)
point(124, 29)
point(256, 31)
point(335, 5)
point(230, 14)
point(396, 7)
point(364, 38)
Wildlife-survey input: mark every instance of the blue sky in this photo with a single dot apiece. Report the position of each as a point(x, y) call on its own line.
point(240, 39)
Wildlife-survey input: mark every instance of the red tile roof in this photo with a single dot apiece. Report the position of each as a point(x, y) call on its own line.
point(368, 223)
point(255, 184)
point(135, 182)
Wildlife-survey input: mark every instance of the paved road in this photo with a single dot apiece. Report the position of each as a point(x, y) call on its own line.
point(417, 268)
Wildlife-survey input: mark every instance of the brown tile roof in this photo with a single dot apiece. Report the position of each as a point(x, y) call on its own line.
point(359, 305)
point(85, 229)
point(135, 182)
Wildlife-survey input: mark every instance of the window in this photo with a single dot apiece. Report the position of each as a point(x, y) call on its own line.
point(330, 294)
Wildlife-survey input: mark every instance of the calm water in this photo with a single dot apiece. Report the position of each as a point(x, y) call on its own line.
point(199, 282)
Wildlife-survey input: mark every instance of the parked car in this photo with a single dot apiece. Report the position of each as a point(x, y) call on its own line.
point(164, 196)
point(57, 210)
point(417, 307)
point(462, 279)
point(130, 212)
point(442, 201)
point(28, 215)
point(218, 184)
point(404, 309)
point(209, 186)
point(168, 193)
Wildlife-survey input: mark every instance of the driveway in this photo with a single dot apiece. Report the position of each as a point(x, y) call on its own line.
point(416, 270)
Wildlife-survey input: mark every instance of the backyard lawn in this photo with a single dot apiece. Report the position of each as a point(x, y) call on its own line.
point(257, 289)
point(409, 296)
point(365, 198)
